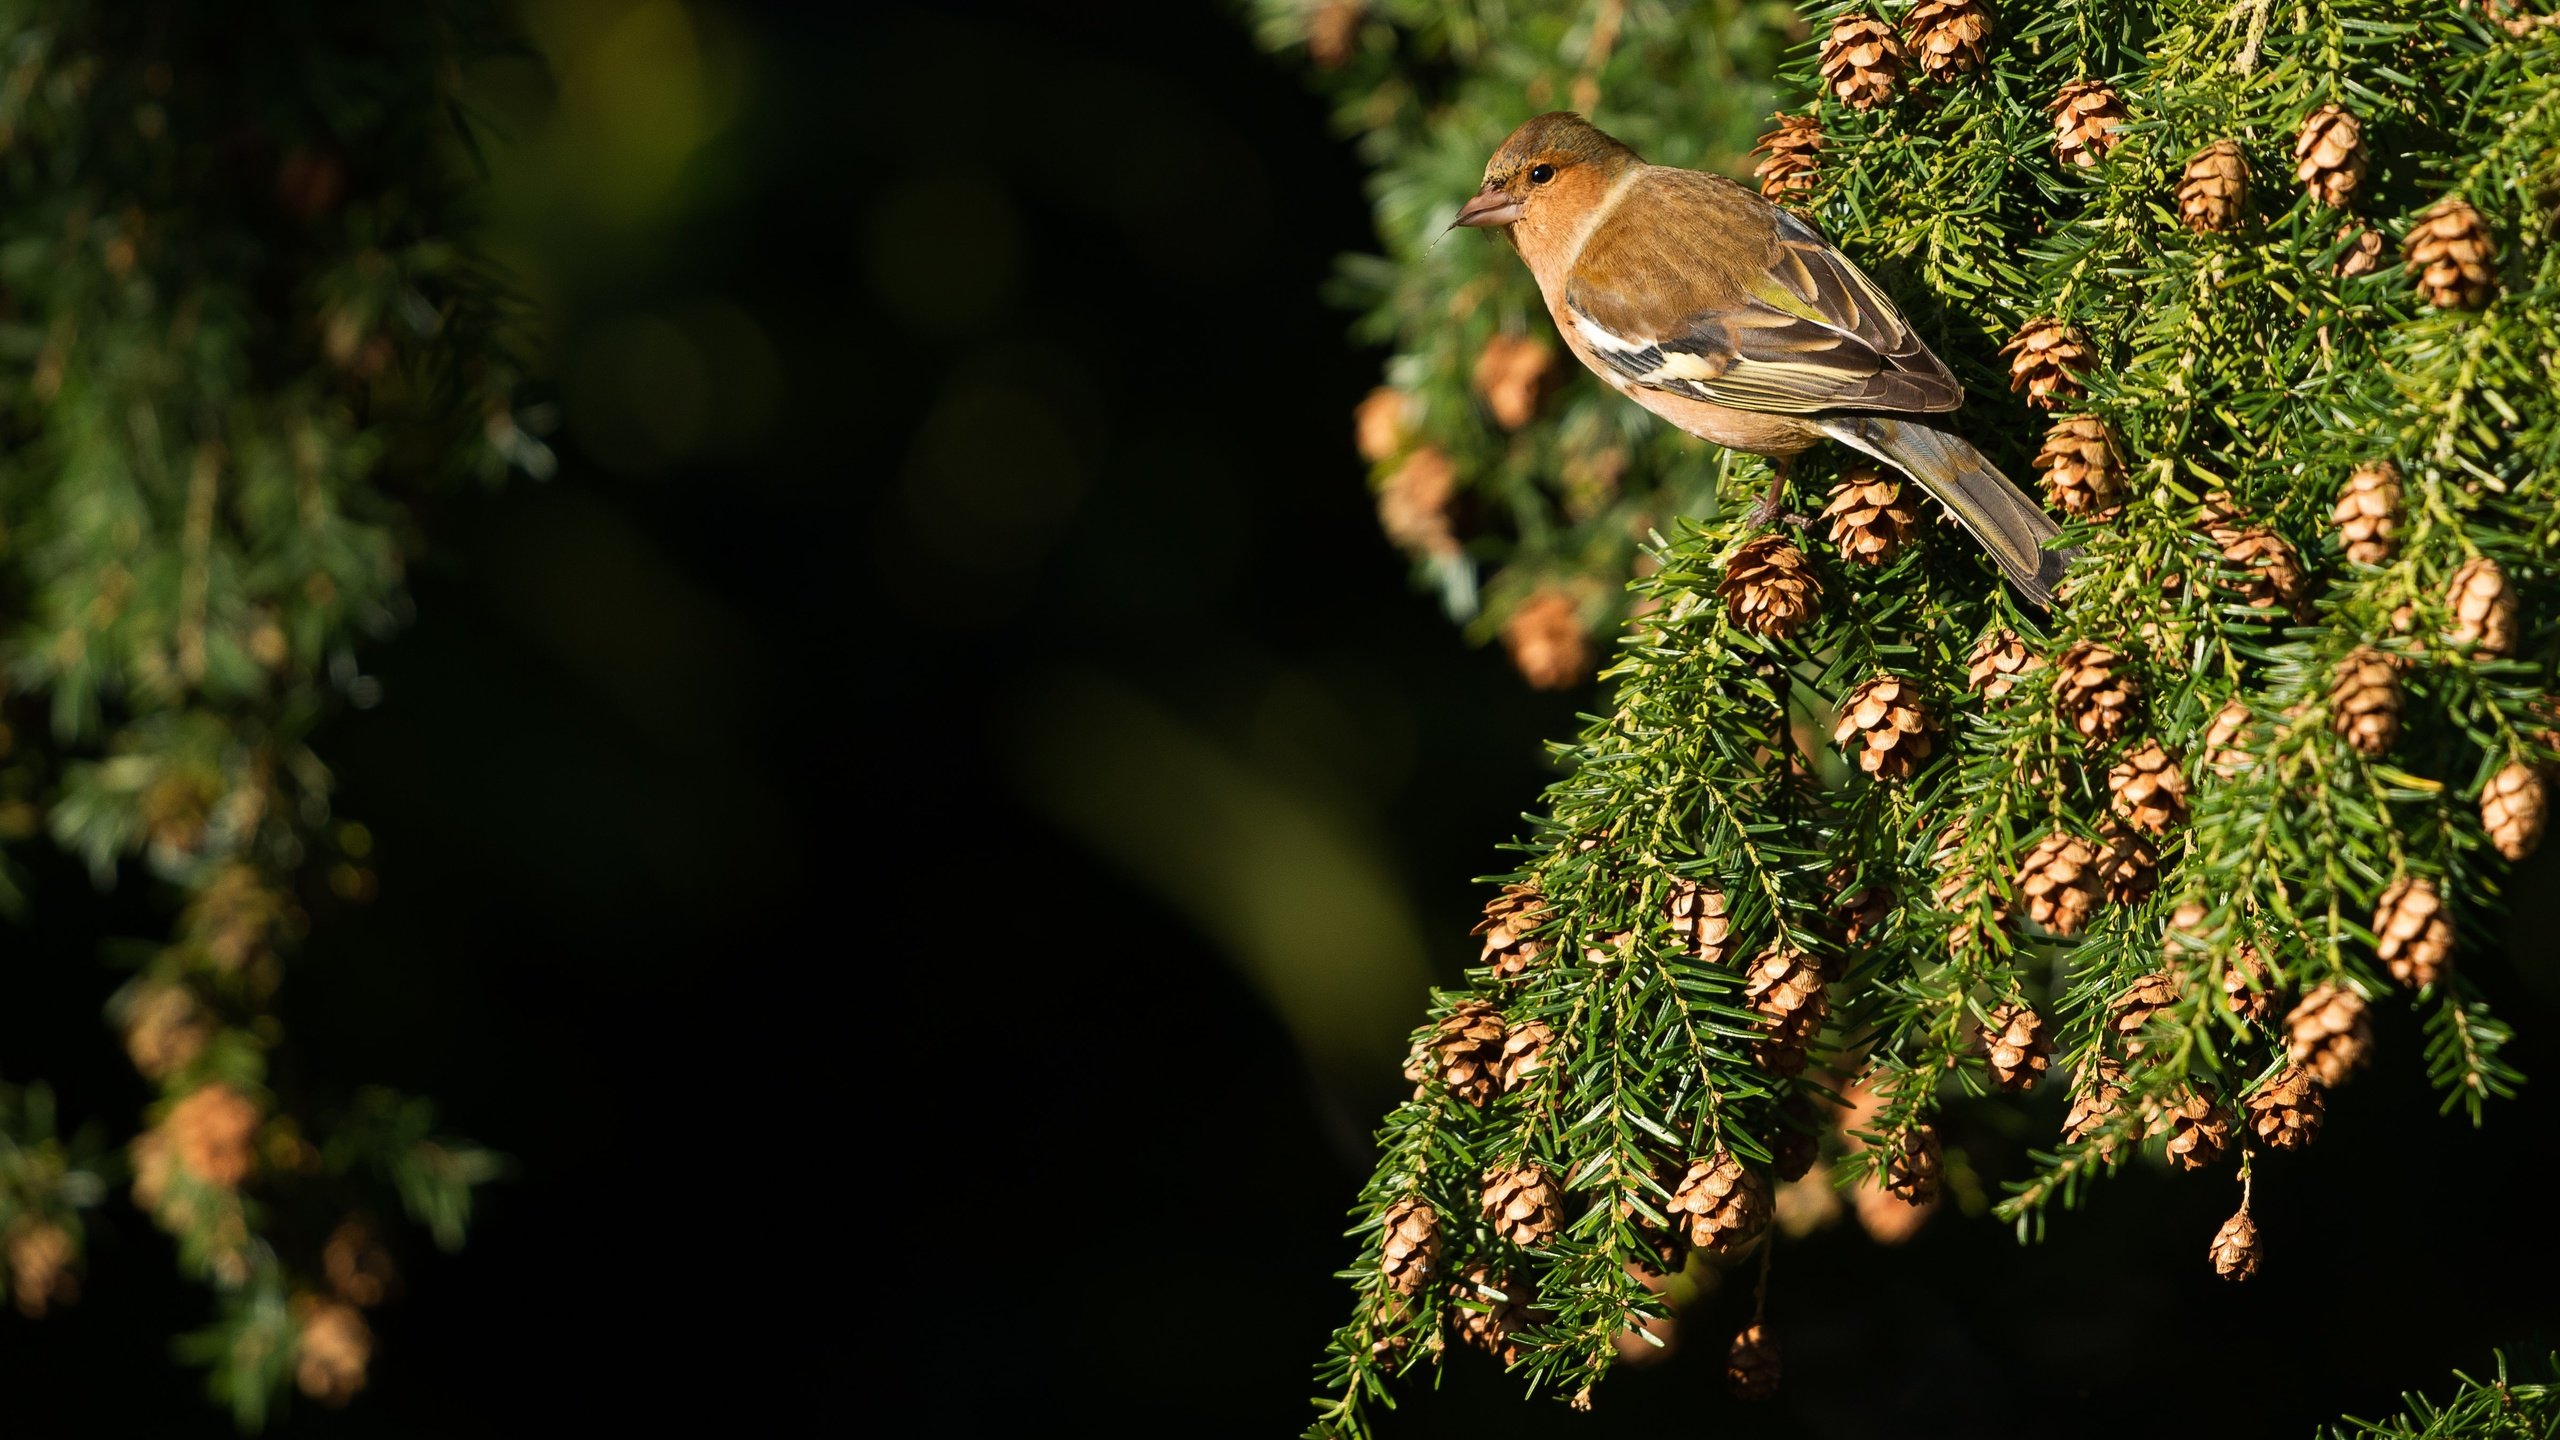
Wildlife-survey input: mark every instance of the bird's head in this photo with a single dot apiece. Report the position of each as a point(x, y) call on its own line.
point(1557, 164)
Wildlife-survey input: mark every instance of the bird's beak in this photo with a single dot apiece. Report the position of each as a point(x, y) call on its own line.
point(1489, 208)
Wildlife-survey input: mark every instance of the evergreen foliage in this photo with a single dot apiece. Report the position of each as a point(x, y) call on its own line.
point(2235, 793)
point(246, 337)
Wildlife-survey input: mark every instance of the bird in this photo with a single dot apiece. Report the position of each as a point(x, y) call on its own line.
point(1739, 323)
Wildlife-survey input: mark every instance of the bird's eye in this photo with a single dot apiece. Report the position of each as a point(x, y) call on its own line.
point(1541, 174)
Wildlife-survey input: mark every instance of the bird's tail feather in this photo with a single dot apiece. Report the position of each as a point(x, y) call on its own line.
point(2013, 528)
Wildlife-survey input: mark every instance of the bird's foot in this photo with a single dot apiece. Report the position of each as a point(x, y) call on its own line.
point(1771, 508)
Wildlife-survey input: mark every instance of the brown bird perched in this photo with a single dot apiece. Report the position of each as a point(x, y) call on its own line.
point(1740, 324)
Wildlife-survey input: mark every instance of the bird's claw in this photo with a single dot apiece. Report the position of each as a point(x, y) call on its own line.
point(1771, 508)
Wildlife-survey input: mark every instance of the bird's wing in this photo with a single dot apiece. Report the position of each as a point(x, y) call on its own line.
point(1696, 286)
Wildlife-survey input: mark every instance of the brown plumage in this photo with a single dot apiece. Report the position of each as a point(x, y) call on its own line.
point(1739, 323)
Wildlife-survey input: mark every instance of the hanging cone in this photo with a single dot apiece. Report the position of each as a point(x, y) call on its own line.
point(2199, 1129)
point(1790, 157)
point(2512, 809)
point(1725, 1203)
point(2235, 1248)
point(2223, 754)
point(2142, 1002)
point(2147, 790)
point(1752, 1366)
point(1410, 1253)
point(2019, 1050)
point(2128, 867)
point(1999, 661)
point(1546, 640)
point(1524, 1051)
point(2366, 702)
point(2286, 1112)
point(2086, 115)
point(2368, 512)
point(2328, 156)
point(2483, 606)
point(1512, 374)
point(2213, 194)
point(2329, 1034)
point(2096, 691)
point(1949, 38)
point(2059, 882)
point(1885, 727)
point(1871, 519)
point(1466, 1051)
point(1786, 988)
point(2412, 933)
point(1913, 1165)
point(1510, 918)
point(2451, 256)
point(2082, 465)
point(1699, 920)
point(2046, 360)
point(1414, 501)
point(2271, 575)
point(2096, 1100)
point(1861, 61)
point(1769, 588)
point(1524, 1205)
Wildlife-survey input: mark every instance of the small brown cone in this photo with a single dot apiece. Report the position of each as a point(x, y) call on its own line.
point(2368, 512)
point(1466, 1051)
point(1999, 661)
point(2366, 701)
point(2328, 156)
point(1860, 61)
point(1509, 927)
point(2412, 933)
point(2328, 1033)
point(2059, 882)
point(2363, 254)
point(1786, 989)
point(1333, 31)
point(2285, 1113)
point(1913, 1165)
point(1524, 1052)
point(1546, 640)
point(2235, 1248)
point(2483, 606)
point(333, 1348)
point(2019, 1050)
point(1409, 1254)
point(1861, 912)
point(42, 1265)
point(2513, 807)
point(2147, 790)
point(2223, 754)
point(2086, 115)
point(165, 1029)
point(1512, 373)
point(2046, 360)
point(2096, 692)
point(1871, 518)
point(2198, 1127)
point(1753, 1366)
point(1483, 1322)
point(358, 1268)
point(1413, 502)
point(2096, 1100)
point(2271, 575)
point(1726, 1203)
point(2142, 1001)
point(1949, 38)
point(1700, 920)
point(2213, 194)
point(2083, 466)
point(2128, 863)
point(1769, 588)
point(1382, 424)
point(213, 1134)
point(2451, 257)
point(1525, 1205)
point(1885, 727)
point(1790, 157)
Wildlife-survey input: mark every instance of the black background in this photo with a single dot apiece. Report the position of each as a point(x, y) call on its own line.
point(838, 1083)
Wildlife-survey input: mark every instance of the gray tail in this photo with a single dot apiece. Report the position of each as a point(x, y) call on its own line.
point(2014, 529)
